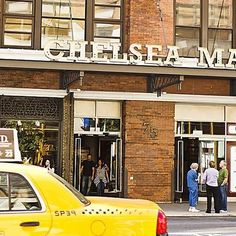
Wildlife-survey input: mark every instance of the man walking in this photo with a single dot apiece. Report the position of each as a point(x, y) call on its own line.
point(87, 171)
point(210, 178)
point(223, 182)
point(192, 182)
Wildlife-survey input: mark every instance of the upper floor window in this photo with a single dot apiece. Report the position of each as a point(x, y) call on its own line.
point(203, 23)
point(18, 21)
point(32, 23)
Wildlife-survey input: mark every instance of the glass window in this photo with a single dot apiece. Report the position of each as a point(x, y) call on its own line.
point(220, 25)
point(19, 7)
point(18, 25)
point(109, 125)
point(188, 13)
point(17, 39)
point(38, 140)
point(54, 8)
point(187, 39)
point(220, 14)
point(63, 20)
point(62, 29)
point(106, 30)
point(107, 12)
point(17, 194)
point(108, 2)
point(187, 31)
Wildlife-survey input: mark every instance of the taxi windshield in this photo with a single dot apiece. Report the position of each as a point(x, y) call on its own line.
point(79, 195)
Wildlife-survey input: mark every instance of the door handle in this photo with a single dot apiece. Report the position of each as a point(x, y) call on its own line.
point(30, 224)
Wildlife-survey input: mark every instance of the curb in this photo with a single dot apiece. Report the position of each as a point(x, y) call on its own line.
point(199, 214)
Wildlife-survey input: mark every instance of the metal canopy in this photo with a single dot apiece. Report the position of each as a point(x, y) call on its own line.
point(113, 68)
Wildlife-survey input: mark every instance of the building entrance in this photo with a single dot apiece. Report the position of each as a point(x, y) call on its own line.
point(106, 148)
point(189, 150)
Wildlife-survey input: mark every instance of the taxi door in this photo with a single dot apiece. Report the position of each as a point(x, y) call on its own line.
point(22, 211)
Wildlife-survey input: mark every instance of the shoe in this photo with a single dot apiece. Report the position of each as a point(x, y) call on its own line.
point(190, 209)
point(222, 211)
point(195, 210)
point(208, 212)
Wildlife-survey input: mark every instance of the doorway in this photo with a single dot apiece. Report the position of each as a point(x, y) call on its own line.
point(106, 148)
point(198, 150)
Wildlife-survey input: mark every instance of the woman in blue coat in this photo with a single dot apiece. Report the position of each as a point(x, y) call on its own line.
point(192, 182)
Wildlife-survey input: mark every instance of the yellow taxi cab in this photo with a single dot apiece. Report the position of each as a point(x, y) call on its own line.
point(36, 202)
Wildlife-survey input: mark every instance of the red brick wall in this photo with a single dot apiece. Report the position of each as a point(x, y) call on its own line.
point(145, 25)
point(29, 79)
point(149, 159)
point(112, 82)
point(203, 86)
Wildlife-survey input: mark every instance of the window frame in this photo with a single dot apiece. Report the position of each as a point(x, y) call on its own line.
point(37, 17)
point(34, 189)
point(204, 24)
point(17, 16)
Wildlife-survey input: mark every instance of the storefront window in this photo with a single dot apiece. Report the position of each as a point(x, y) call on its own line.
point(38, 140)
point(210, 128)
point(109, 125)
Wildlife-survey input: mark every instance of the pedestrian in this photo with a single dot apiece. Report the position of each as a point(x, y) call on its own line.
point(87, 173)
point(210, 178)
point(48, 166)
point(223, 186)
point(192, 182)
point(101, 178)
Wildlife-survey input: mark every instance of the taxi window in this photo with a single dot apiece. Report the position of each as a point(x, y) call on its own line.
point(16, 194)
point(72, 189)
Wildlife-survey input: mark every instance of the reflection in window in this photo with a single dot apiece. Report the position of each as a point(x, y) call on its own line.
point(87, 124)
point(188, 27)
point(17, 39)
point(19, 7)
point(107, 20)
point(62, 22)
point(220, 25)
point(210, 128)
point(61, 29)
point(109, 125)
point(188, 13)
point(108, 2)
point(187, 39)
point(18, 25)
point(107, 30)
point(107, 12)
point(220, 14)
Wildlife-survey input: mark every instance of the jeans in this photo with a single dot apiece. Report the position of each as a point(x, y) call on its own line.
point(223, 197)
point(212, 191)
point(100, 188)
point(86, 184)
point(193, 197)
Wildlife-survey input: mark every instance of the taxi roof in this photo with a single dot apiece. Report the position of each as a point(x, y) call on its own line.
point(22, 168)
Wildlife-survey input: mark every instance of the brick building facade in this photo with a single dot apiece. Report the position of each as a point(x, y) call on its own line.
point(137, 133)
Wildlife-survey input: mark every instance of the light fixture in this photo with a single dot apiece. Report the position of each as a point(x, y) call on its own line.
point(19, 123)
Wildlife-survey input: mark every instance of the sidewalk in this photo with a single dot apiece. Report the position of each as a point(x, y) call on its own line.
point(181, 209)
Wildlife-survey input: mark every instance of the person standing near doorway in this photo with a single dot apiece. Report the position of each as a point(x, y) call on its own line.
point(101, 178)
point(210, 178)
point(223, 182)
point(192, 182)
point(87, 172)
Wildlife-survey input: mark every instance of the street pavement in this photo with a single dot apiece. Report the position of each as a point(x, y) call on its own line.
point(181, 209)
point(181, 222)
point(202, 226)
